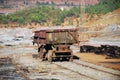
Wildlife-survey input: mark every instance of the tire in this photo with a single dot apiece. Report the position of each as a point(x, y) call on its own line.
point(49, 55)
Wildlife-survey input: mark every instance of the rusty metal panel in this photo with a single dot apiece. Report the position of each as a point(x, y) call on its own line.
point(42, 34)
point(56, 36)
point(59, 37)
point(42, 37)
point(36, 34)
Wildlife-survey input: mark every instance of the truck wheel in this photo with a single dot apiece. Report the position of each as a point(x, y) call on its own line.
point(49, 55)
point(71, 57)
point(71, 60)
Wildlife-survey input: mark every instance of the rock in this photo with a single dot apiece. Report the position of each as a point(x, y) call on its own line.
point(16, 39)
point(1, 42)
point(110, 28)
point(9, 45)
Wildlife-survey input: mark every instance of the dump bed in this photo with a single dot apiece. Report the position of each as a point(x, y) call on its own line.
point(55, 36)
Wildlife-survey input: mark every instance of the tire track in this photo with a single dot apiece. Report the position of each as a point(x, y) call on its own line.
point(88, 71)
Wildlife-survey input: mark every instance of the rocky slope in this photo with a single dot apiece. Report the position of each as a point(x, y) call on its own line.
point(104, 26)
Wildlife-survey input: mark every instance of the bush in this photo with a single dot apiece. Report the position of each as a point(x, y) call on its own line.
point(4, 21)
point(21, 20)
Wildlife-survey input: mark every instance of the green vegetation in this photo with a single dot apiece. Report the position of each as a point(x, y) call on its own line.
point(103, 7)
point(45, 14)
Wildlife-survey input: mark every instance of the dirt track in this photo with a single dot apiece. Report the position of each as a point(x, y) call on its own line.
point(34, 69)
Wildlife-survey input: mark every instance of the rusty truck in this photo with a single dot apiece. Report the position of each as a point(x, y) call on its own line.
point(57, 39)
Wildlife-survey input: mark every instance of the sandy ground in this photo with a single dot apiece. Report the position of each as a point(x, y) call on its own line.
point(44, 70)
point(99, 60)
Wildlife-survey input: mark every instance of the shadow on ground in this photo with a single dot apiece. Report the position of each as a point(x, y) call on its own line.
point(118, 63)
point(57, 59)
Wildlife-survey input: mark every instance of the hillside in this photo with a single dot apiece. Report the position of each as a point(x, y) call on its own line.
point(104, 29)
point(94, 17)
point(104, 20)
point(97, 22)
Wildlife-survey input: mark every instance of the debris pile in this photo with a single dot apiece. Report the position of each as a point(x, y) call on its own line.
point(108, 50)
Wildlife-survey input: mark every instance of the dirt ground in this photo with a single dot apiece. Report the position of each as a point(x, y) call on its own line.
point(99, 60)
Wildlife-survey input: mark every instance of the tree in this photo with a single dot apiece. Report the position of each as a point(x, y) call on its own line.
point(1, 1)
point(38, 3)
point(52, 3)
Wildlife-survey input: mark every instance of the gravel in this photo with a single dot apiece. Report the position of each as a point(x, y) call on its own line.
point(111, 28)
point(109, 36)
point(99, 67)
point(89, 72)
point(15, 36)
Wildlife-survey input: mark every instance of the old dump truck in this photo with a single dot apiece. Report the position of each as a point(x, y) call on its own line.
point(57, 39)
